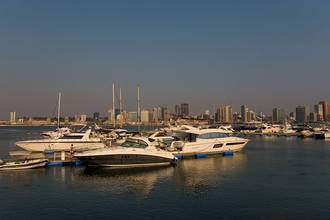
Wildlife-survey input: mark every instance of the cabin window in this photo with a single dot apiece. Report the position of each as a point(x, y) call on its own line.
point(134, 143)
point(237, 143)
point(192, 137)
point(217, 145)
point(212, 135)
point(71, 137)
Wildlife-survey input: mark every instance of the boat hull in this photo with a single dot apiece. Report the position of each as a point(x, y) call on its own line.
point(126, 160)
point(21, 166)
point(211, 147)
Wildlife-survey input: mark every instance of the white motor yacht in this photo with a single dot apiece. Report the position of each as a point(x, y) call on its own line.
point(205, 141)
point(134, 152)
point(57, 133)
point(79, 141)
point(270, 129)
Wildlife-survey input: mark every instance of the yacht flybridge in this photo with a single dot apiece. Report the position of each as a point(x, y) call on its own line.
point(79, 141)
point(134, 152)
point(192, 141)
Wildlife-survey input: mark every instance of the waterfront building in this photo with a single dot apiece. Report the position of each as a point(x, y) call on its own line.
point(49, 120)
point(12, 118)
point(292, 116)
point(166, 115)
point(313, 117)
point(159, 113)
point(145, 116)
point(66, 119)
point(251, 116)
point(244, 111)
point(77, 118)
point(154, 115)
point(325, 109)
point(318, 109)
point(132, 117)
point(96, 116)
point(177, 110)
point(279, 115)
point(302, 114)
point(185, 109)
point(83, 118)
point(224, 114)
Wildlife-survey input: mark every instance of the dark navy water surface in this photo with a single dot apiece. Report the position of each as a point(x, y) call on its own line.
point(272, 178)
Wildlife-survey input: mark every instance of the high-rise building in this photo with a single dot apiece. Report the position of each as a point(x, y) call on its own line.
point(325, 109)
point(160, 114)
point(96, 116)
point(224, 114)
point(279, 115)
point(83, 118)
point(154, 113)
point(166, 115)
point(313, 117)
point(145, 116)
point(244, 111)
point(302, 114)
point(132, 116)
point(12, 118)
point(177, 111)
point(185, 109)
point(251, 116)
point(318, 109)
point(77, 118)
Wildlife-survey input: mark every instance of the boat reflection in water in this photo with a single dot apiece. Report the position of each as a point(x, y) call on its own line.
point(191, 176)
point(139, 181)
point(198, 176)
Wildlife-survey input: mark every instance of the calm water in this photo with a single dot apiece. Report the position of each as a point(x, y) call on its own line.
point(272, 178)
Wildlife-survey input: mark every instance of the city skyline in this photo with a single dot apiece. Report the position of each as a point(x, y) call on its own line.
point(264, 54)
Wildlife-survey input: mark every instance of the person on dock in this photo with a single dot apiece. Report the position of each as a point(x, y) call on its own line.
point(71, 149)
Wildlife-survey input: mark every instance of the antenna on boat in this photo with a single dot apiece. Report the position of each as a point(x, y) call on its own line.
point(58, 109)
point(120, 108)
point(120, 101)
point(138, 107)
point(113, 105)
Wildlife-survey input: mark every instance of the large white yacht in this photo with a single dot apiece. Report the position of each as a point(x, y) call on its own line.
point(134, 152)
point(192, 141)
point(79, 141)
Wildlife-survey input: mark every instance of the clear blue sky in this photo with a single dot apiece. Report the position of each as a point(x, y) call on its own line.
point(262, 53)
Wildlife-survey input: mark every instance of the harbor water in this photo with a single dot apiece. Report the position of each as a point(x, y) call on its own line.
point(272, 178)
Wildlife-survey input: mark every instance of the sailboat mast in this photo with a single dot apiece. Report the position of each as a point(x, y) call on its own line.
point(113, 105)
point(138, 105)
point(120, 101)
point(58, 109)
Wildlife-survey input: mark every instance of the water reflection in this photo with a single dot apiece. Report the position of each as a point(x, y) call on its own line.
point(20, 179)
point(139, 181)
point(193, 177)
point(190, 176)
point(197, 176)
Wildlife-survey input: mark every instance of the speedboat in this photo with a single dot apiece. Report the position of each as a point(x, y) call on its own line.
point(27, 164)
point(194, 141)
point(322, 134)
point(134, 152)
point(79, 141)
point(307, 133)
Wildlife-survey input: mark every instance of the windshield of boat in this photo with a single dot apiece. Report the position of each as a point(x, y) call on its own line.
point(136, 143)
point(213, 135)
